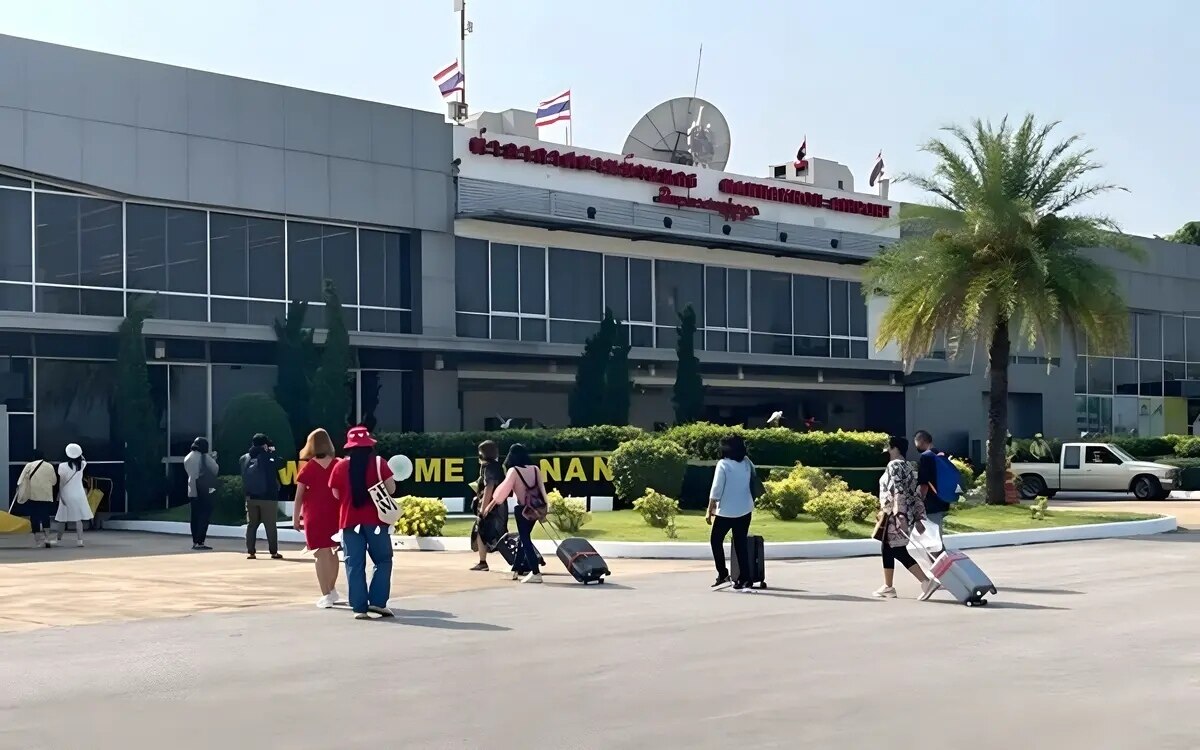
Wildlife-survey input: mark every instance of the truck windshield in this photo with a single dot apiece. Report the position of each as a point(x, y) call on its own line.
point(1120, 453)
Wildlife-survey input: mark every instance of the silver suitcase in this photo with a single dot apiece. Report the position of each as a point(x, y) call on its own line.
point(959, 575)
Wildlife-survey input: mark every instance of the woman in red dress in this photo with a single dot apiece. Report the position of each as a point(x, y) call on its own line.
point(316, 511)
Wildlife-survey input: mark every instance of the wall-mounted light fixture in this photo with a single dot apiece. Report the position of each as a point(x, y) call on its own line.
point(591, 212)
point(667, 222)
point(783, 236)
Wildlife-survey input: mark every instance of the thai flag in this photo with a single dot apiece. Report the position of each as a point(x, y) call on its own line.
point(554, 110)
point(449, 80)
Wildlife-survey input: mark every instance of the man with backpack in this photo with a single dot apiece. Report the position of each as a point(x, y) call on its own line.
point(937, 482)
point(260, 481)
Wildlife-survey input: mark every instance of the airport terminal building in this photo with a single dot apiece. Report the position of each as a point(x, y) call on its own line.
point(473, 261)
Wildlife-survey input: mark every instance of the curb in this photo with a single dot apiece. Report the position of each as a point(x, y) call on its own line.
point(833, 548)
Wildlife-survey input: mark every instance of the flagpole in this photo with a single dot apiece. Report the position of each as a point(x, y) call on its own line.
point(462, 47)
point(571, 122)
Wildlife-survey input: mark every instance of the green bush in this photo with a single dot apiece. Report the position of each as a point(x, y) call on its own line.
point(421, 516)
point(567, 514)
point(966, 474)
point(864, 507)
point(1188, 447)
point(229, 502)
point(244, 416)
point(1038, 509)
point(648, 464)
point(831, 508)
point(657, 510)
point(786, 498)
point(455, 444)
point(781, 447)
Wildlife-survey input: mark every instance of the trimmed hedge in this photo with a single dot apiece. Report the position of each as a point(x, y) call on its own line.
point(781, 447)
point(1138, 447)
point(568, 440)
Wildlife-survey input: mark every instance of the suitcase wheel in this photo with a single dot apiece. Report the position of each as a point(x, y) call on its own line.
point(599, 580)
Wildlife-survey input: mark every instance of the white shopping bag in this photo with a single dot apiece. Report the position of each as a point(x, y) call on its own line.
point(927, 544)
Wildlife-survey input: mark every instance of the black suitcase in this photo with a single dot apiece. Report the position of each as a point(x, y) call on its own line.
point(508, 547)
point(758, 565)
point(580, 558)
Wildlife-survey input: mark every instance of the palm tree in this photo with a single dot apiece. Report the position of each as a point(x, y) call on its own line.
point(998, 258)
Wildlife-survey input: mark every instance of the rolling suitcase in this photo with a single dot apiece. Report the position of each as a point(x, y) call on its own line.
point(580, 558)
point(755, 549)
point(508, 546)
point(958, 574)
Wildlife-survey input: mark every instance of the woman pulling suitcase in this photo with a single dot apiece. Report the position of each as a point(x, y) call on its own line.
point(730, 506)
point(900, 511)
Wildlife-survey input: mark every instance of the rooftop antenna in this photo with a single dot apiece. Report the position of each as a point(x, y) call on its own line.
point(696, 87)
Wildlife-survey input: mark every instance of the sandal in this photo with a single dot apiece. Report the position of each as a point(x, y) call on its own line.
point(481, 566)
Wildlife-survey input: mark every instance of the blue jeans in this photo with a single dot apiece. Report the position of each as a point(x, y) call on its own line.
point(357, 545)
point(527, 555)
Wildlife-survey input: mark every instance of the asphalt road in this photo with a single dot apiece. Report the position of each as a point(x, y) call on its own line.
point(1088, 645)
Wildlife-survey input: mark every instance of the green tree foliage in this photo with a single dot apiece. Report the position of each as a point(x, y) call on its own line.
point(688, 396)
point(586, 402)
point(999, 257)
point(296, 363)
point(136, 423)
point(618, 388)
point(1188, 234)
point(330, 389)
point(245, 415)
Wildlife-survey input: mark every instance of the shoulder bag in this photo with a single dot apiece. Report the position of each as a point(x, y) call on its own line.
point(385, 504)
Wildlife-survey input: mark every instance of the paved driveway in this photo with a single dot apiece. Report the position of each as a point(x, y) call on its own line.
point(1089, 645)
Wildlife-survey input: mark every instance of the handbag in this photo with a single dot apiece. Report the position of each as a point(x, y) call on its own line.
point(757, 489)
point(385, 504)
point(880, 532)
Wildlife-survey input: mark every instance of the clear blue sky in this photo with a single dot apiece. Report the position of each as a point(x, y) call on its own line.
point(854, 76)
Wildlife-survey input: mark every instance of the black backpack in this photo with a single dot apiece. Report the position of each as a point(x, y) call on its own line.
point(259, 478)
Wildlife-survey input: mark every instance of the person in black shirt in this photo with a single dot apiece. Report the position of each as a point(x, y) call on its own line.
point(935, 509)
point(495, 525)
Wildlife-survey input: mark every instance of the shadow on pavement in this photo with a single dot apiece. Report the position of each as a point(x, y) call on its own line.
point(1182, 535)
point(432, 618)
point(802, 594)
point(108, 545)
point(1042, 591)
point(1001, 604)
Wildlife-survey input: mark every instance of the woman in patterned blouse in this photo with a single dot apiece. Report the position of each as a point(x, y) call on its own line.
point(900, 510)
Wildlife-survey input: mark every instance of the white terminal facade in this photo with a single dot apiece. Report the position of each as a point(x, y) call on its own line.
point(547, 236)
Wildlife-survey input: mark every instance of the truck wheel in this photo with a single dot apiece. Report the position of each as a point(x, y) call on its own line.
point(1146, 488)
point(1032, 486)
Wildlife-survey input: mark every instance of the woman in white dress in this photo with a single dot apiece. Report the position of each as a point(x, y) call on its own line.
point(72, 497)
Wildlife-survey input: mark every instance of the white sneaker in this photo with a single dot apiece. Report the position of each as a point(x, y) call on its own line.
point(382, 611)
point(334, 597)
point(325, 602)
point(885, 592)
point(79, 543)
point(532, 578)
point(928, 588)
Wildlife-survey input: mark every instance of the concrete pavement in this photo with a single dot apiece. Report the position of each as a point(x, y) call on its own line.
point(1088, 645)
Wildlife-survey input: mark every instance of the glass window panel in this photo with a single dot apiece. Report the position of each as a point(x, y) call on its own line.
point(503, 274)
point(810, 296)
point(766, 344)
point(1130, 347)
point(188, 415)
point(616, 286)
point(187, 251)
point(576, 288)
point(377, 270)
point(664, 337)
point(247, 256)
point(1081, 420)
point(78, 240)
point(16, 383)
point(641, 290)
point(339, 260)
point(73, 407)
point(642, 336)
point(1101, 409)
point(811, 346)
point(716, 341)
point(230, 381)
point(69, 301)
point(533, 280)
point(304, 261)
point(266, 258)
point(533, 329)
point(1174, 346)
point(715, 309)
point(471, 326)
point(770, 302)
point(858, 350)
point(1149, 336)
point(1100, 375)
point(739, 342)
point(16, 230)
point(1081, 374)
point(16, 297)
point(858, 309)
point(10, 181)
point(1125, 415)
point(146, 246)
point(1192, 329)
point(266, 313)
point(839, 308)
point(1152, 378)
point(389, 409)
point(567, 332)
point(676, 286)
point(1126, 379)
point(229, 311)
point(839, 348)
point(1173, 375)
point(504, 328)
point(400, 293)
point(385, 321)
point(228, 238)
point(470, 275)
point(172, 306)
point(737, 286)
point(20, 438)
point(1193, 372)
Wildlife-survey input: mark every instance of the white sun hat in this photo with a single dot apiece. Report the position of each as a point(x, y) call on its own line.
point(73, 451)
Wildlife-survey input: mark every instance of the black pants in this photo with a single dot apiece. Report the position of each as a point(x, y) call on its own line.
point(40, 514)
point(201, 514)
point(527, 554)
point(740, 527)
point(265, 512)
point(892, 554)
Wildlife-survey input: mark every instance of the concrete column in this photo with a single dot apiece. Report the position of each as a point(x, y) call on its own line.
point(440, 401)
point(437, 284)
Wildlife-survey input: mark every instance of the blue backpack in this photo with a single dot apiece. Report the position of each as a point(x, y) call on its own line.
point(946, 480)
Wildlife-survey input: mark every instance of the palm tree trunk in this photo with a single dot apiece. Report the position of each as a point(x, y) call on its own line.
point(998, 412)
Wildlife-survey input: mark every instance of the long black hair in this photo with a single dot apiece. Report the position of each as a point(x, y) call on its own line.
point(518, 455)
point(733, 448)
point(360, 461)
point(75, 463)
point(200, 445)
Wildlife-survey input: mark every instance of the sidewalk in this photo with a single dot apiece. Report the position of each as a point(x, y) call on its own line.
point(124, 576)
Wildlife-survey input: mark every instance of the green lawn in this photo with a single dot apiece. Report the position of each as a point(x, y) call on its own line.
point(627, 526)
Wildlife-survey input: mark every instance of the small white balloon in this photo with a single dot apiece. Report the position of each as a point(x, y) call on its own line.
point(401, 466)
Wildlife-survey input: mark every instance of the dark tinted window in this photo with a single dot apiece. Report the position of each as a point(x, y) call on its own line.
point(616, 286)
point(16, 383)
point(470, 275)
point(16, 228)
point(1192, 329)
point(317, 252)
point(247, 256)
point(166, 249)
point(533, 280)
point(1152, 378)
point(858, 310)
point(172, 306)
point(1100, 375)
point(1081, 374)
point(715, 310)
point(737, 288)
point(641, 290)
point(384, 276)
point(78, 241)
point(1125, 376)
point(770, 303)
point(72, 407)
point(568, 332)
point(71, 301)
point(1071, 457)
point(575, 287)
point(1173, 338)
point(16, 297)
point(677, 285)
point(1149, 336)
point(504, 277)
point(811, 294)
point(839, 308)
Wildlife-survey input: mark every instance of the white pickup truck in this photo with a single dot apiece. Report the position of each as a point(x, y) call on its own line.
point(1095, 467)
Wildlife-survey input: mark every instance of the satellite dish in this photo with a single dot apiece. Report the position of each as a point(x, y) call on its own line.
point(686, 130)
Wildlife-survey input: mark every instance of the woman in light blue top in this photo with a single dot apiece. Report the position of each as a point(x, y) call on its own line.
point(729, 507)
